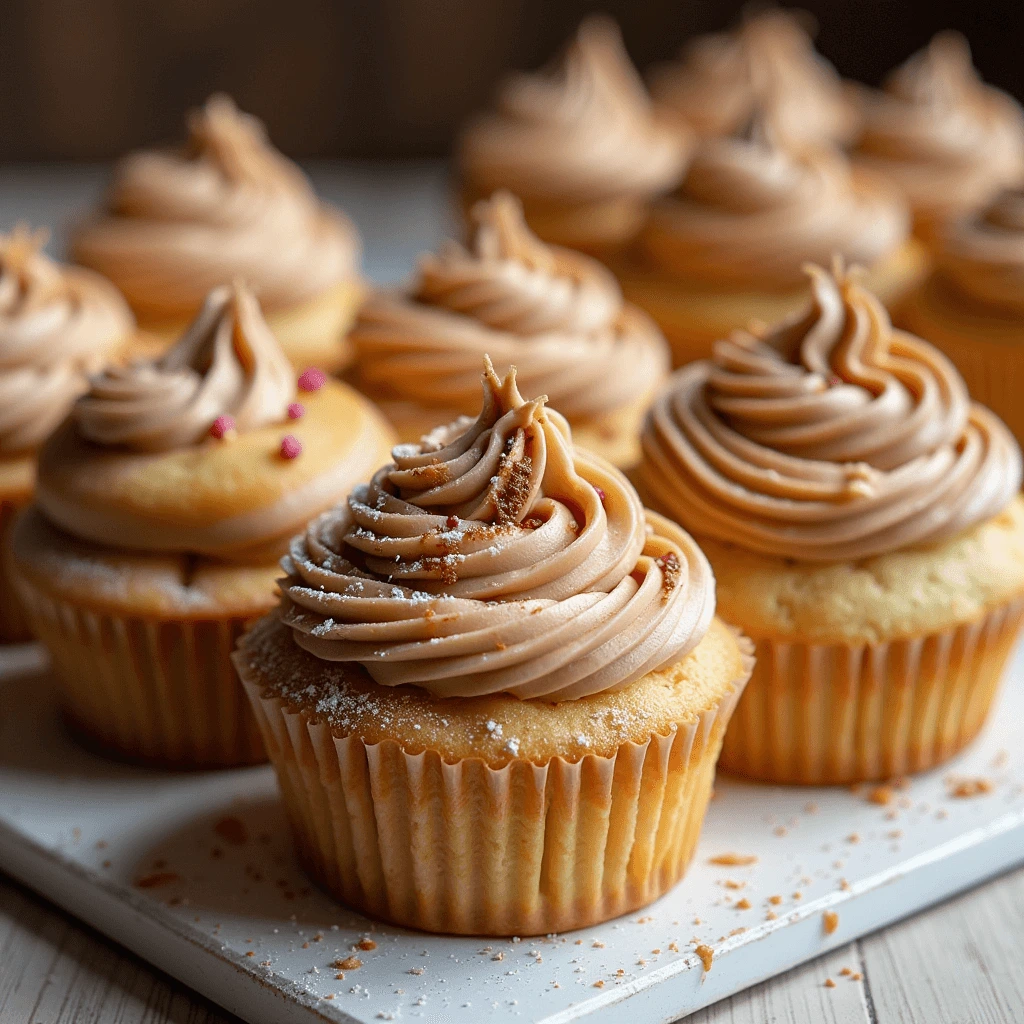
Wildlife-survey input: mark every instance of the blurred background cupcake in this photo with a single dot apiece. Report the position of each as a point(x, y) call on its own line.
point(862, 519)
point(177, 222)
point(556, 315)
point(58, 324)
point(162, 504)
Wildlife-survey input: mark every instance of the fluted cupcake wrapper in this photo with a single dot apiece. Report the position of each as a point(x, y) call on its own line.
point(822, 714)
point(14, 627)
point(463, 848)
point(158, 691)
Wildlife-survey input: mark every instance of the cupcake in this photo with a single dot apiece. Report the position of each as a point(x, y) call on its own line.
point(162, 504)
point(767, 63)
point(556, 314)
point(57, 325)
point(177, 223)
point(729, 246)
point(580, 143)
point(495, 689)
point(946, 139)
point(972, 307)
point(862, 520)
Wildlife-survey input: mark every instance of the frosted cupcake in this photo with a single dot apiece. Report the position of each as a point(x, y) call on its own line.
point(177, 223)
point(162, 503)
point(767, 63)
point(940, 134)
point(580, 143)
point(972, 307)
point(57, 325)
point(729, 246)
point(556, 314)
point(862, 519)
point(495, 690)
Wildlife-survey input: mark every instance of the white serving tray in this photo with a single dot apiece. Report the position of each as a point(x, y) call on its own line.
point(227, 910)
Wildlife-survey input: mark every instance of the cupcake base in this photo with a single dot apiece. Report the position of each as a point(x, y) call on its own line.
point(497, 841)
point(14, 627)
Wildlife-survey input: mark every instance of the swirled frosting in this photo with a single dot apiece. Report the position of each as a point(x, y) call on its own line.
point(57, 325)
point(983, 256)
point(947, 139)
point(177, 223)
point(492, 558)
point(581, 132)
point(556, 314)
point(228, 363)
point(751, 212)
point(835, 437)
point(767, 63)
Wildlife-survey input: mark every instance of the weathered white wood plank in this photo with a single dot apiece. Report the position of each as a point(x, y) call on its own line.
point(800, 996)
point(961, 963)
point(53, 971)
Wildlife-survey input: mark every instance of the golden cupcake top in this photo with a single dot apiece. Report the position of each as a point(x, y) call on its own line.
point(178, 222)
point(57, 325)
point(949, 140)
point(558, 315)
point(767, 63)
point(214, 448)
point(982, 256)
point(581, 131)
point(492, 558)
point(832, 437)
point(751, 212)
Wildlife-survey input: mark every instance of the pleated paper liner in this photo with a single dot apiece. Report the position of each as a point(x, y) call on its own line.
point(161, 692)
point(463, 848)
point(821, 714)
point(14, 627)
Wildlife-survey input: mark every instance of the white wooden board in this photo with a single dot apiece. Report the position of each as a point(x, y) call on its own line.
point(225, 908)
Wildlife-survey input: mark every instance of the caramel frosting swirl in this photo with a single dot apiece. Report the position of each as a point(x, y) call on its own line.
point(767, 63)
point(945, 137)
point(983, 256)
point(178, 223)
point(557, 315)
point(492, 558)
point(581, 132)
point(228, 363)
point(834, 437)
point(751, 212)
point(57, 325)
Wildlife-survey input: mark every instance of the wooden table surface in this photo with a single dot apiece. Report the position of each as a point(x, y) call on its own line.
point(959, 963)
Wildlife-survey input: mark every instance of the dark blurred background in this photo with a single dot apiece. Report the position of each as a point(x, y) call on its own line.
point(89, 79)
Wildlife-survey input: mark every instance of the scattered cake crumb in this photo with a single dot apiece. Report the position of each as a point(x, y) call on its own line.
point(706, 954)
point(853, 837)
point(965, 788)
point(733, 860)
point(366, 944)
point(599, 983)
point(880, 795)
point(856, 976)
point(157, 879)
point(846, 972)
point(830, 921)
point(743, 904)
point(231, 830)
point(779, 830)
point(829, 983)
point(774, 900)
point(349, 963)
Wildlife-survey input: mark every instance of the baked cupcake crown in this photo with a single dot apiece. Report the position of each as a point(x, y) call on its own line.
point(227, 365)
point(831, 437)
point(581, 130)
point(492, 557)
point(57, 324)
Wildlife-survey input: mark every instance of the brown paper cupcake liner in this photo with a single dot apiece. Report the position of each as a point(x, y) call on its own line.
point(466, 849)
point(822, 714)
point(14, 627)
point(157, 691)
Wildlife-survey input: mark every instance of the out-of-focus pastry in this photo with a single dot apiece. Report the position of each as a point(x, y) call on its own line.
point(728, 247)
point(163, 502)
point(556, 315)
point(176, 223)
point(58, 324)
point(579, 143)
point(947, 139)
point(495, 683)
point(972, 307)
point(768, 62)
point(862, 518)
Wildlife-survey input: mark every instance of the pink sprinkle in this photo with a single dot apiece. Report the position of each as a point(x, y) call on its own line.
point(221, 426)
point(834, 380)
point(601, 494)
point(296, 411)
point(291, 447)
point(312, 379)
